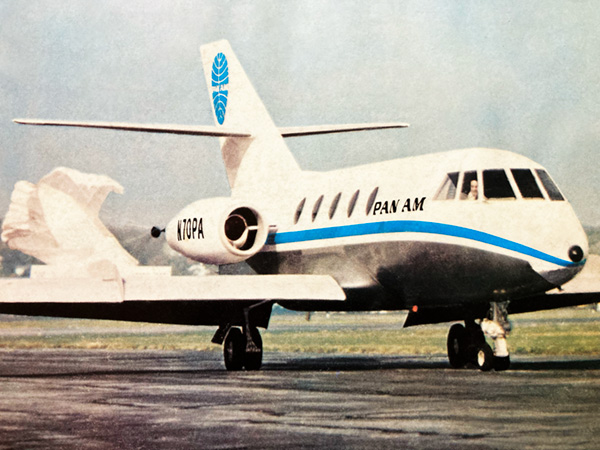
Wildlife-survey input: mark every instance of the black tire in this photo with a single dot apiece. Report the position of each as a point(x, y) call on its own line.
point(253, 361)
point(501, 363)
point(234, 349)
point(484, 359)
point(456, 346)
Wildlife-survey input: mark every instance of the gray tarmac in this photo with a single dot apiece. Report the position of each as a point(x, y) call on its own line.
point(99, 399)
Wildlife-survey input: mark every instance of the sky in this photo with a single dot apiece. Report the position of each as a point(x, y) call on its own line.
point(521, 76)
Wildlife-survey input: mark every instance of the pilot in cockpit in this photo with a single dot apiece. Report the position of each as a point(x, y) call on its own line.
point(472, 195)
point(469, 187)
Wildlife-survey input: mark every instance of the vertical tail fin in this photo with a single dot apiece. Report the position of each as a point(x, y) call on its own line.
point(263, 160)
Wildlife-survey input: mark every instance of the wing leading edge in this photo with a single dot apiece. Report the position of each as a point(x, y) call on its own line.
point(237, 288)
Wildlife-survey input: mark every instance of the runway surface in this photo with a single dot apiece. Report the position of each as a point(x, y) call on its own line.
point(98, 399)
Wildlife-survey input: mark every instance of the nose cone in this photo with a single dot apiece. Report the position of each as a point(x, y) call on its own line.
point(575, 256)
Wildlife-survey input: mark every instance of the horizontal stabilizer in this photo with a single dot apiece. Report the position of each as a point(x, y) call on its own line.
point(208, 130)
point(326, 129)
point(148, 128)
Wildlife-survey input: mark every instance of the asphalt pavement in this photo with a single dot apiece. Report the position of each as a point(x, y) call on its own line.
point(100, 399)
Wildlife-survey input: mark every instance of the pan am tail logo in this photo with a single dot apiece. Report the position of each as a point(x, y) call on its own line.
point(220, 79)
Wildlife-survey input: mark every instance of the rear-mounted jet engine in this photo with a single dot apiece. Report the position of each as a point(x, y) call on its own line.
point(218, 231)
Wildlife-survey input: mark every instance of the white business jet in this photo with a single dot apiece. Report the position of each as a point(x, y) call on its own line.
point(466, 235)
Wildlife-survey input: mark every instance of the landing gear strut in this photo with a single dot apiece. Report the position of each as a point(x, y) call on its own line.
point(497, 327)
point(467, 344)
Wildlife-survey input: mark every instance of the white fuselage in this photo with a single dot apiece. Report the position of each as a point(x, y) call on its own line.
point(396, 234)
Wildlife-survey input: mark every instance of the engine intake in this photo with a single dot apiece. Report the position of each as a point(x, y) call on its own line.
point(241, 228)
point(218, 231)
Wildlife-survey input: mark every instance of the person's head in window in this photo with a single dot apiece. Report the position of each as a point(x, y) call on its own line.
point(469, 186)
point(473, 191)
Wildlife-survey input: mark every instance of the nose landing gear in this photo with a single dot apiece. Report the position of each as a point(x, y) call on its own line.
point(467, 344)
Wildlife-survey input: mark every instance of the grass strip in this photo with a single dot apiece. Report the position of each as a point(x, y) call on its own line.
point(562, 332)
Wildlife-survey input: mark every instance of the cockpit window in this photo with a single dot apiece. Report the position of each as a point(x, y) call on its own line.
point(448, 189)
point(527, 184)
point(496, 184)
point(469, 190)
point(551, 188)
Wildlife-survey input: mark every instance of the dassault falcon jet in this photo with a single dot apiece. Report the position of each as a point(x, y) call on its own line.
point(467, 236)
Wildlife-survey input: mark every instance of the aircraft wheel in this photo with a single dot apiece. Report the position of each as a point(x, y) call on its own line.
point(253, 360)
point(234, 349)
point(456, 346)
point(484, 359)
point(501, 363)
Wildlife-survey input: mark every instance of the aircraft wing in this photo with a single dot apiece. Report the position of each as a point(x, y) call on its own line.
point(582, 290)
point(541, 302)
point(207, 300)
point(238, 288)
point(551, 300)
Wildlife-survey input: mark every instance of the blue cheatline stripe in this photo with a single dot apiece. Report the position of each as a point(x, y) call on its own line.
point(412, 226)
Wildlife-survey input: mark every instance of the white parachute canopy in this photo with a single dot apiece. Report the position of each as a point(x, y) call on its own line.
point(57, 222)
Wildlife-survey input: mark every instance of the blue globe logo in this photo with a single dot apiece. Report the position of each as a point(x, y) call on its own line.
point(220, 80)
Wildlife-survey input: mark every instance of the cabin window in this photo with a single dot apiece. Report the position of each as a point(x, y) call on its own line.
point(371, 200)
point(496, 184)
point(526, 183)
point(299, 210)
point(470, 189)
point(334, 205)
point(352, 203)
point(315, 210)
point(549, 185)
point(448, 189)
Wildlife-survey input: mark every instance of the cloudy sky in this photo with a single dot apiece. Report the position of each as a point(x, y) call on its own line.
point(522, 76)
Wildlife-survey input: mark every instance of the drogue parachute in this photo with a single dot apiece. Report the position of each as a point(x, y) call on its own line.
point(56, 221)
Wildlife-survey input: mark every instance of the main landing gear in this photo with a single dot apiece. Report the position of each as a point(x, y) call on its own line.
point(467, 344)
point(242, 347)
point(241, 351)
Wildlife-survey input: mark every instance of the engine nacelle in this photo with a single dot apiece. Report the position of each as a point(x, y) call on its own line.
point(218, 230)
